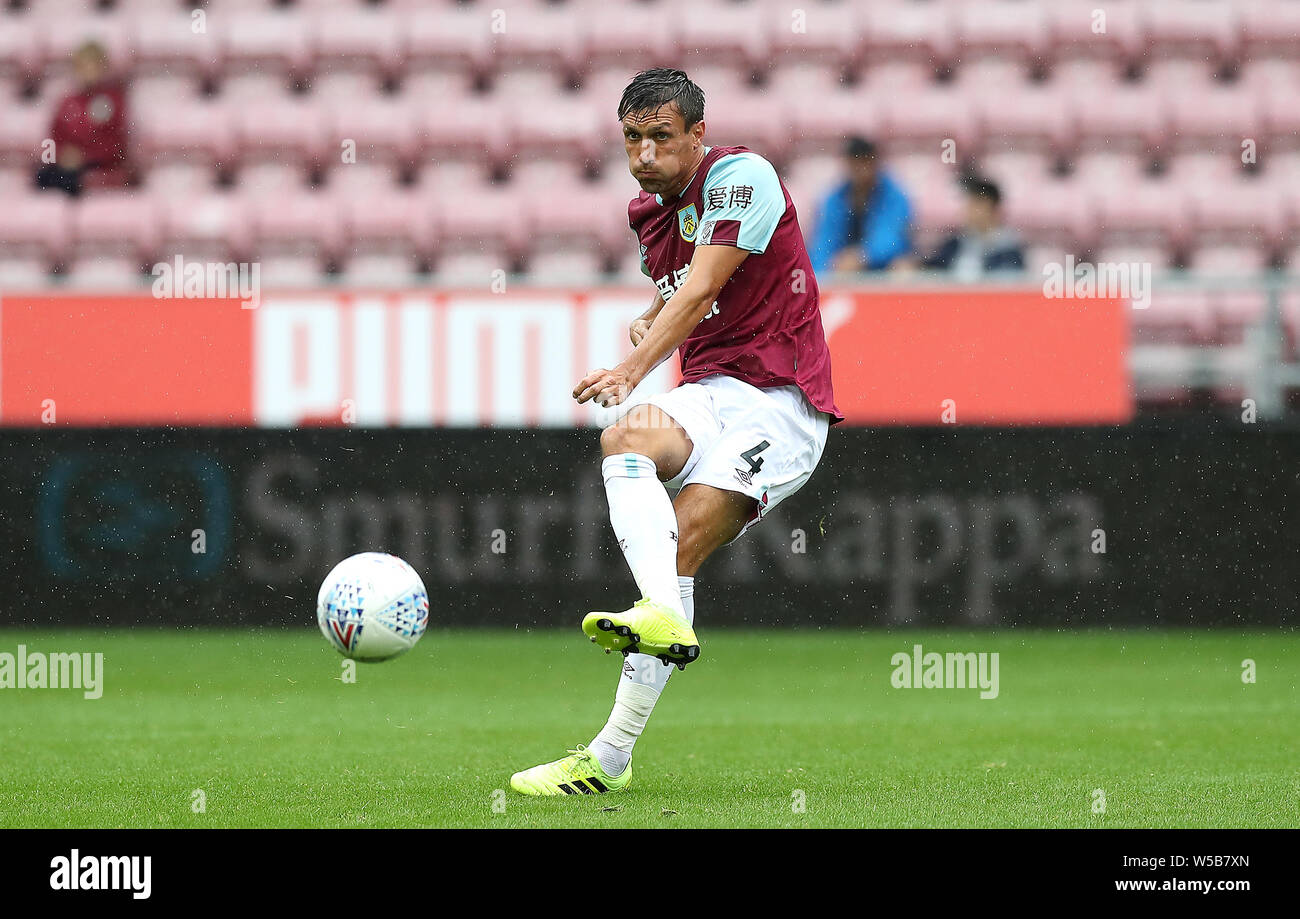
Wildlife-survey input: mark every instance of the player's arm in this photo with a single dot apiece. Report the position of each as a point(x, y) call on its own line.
point(711, 268)
point(642, 323)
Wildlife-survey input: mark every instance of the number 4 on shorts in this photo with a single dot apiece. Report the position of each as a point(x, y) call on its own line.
point(751, 456)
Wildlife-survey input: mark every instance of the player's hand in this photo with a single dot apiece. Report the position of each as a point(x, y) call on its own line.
point(637, 330)
point(606, 387)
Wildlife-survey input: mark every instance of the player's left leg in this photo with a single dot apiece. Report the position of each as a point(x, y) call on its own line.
point(646, 448)
point(707, 519)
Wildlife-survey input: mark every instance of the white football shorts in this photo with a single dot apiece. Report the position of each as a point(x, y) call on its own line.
point(764, 443)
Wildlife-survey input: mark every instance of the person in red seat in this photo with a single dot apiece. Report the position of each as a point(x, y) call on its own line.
point(89, 129)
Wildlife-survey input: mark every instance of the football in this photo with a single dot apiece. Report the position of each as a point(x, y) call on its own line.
point(372, 607)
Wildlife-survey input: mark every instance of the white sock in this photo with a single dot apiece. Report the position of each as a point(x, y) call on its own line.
point(646, 525)
point(639, 685)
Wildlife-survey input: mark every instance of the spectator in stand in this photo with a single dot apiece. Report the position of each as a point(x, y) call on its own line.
point(89, 129)
point(985, 245)
point(864, 223)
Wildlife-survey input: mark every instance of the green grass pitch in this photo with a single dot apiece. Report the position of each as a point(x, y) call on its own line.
point(769, 729)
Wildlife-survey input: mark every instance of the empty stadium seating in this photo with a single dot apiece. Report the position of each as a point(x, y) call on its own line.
point(435, 135)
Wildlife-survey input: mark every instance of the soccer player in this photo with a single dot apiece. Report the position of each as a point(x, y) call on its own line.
point(736, 295)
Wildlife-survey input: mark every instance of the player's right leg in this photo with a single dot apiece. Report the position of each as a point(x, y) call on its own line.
point(644, 449)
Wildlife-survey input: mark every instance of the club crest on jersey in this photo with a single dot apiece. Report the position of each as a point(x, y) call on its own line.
point(688, 222)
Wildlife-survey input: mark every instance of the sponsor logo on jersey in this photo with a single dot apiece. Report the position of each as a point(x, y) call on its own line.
point(688, 221)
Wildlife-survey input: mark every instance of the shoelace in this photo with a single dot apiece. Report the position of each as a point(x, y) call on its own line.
point(582, 754)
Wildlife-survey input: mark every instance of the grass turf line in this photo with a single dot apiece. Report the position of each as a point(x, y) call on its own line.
point(261, 722)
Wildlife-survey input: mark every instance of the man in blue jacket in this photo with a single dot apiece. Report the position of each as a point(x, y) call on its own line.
point(865, 223)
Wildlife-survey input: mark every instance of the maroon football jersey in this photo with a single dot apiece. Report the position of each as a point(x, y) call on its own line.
point(766, 326)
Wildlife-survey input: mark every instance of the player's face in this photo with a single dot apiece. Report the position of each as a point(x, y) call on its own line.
point(661, 153)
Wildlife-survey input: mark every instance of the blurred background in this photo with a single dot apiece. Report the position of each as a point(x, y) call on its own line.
point(1058, 243)
point(430, 143)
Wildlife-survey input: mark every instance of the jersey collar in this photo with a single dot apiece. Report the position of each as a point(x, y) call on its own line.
point(659, 198)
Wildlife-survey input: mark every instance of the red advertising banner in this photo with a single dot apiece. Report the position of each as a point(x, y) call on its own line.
point(416, 358)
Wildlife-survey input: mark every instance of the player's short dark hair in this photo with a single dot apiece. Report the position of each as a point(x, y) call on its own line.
point(978, 187)
point(650, 89)
point(859, 148)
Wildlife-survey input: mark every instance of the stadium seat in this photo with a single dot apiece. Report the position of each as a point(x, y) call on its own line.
point(23, 273)
point(212, 226)
point(1175, 314)
point(1084, 28)
point(1059, 213)
point(1078, 75)
point(904, 29)
point(1224, 260)
point(145, 92)
point(350, 36)
point(1244, 211)
point(284, 129)
point(166, 43)
point(116, 223)
point(829, 36)
point(1133, 118)
point(270, 176)
point(821, 122)
point(1271, 27)
point(547, 37)
point(201, 132)
point(1207, 28)
point(721, 31)
point(59, 41)
point(1200, 168)
point(433, 85)
point(927, 119)
point(1145, 213)
point(1213, 117)
point(103, 273)
point(390, 221)
point(1267, 74)
point(1281, 118)
point(1013, 29)
point(269, 40)
point(178, 178)
point(472, 268)
point(756, 120)
point(16, 179)
point(361, 178)
point(592, 215)
point(565, 266)
point(380, 270)
point(619, 32)
point(1018, 170)
point(298, 223)
point(1027, 117)
point(1175, 76)
point(23, 50)
point(451, 36)
point(482, 218)
point(384, 131)
point(36, 224)
point(569, 125)
point(886, 77)
point(464, 126)
point(22, 129)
